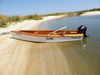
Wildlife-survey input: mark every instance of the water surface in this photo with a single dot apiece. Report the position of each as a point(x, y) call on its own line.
point(83, 56)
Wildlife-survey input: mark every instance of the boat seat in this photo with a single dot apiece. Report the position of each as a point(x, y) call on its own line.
point(73, 32)
point(66, 32)
point(35, 32)
point(60, 33)
point(54, 33)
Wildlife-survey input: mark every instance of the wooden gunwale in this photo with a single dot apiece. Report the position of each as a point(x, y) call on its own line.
point(44, 33)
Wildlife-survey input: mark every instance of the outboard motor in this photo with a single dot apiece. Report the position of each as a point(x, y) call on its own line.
point(82, 29)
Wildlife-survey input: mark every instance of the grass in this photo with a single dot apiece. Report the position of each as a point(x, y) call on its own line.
point(3, 21)
point(33, 17)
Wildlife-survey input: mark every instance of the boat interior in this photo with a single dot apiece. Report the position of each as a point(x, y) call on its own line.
point(51, 32)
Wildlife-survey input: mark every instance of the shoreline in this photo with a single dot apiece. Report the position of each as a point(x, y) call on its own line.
point(28, 24)
point(38, 22)
point(91, 13)
point(33, 24)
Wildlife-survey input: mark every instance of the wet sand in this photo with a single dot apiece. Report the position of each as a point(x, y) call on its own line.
point(28, 58)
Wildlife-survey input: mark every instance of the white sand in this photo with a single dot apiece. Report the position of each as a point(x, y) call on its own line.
point(91, 13)
point(27, 24)
point(28, 58)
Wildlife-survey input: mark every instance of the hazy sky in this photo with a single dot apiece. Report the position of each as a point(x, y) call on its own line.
point(29, 7)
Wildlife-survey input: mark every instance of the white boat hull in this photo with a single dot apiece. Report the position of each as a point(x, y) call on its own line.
point(44, 39)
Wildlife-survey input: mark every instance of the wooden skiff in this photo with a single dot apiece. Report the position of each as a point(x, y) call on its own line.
point(47, 35)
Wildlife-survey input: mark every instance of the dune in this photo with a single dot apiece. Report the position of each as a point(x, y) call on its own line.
point(91, 13)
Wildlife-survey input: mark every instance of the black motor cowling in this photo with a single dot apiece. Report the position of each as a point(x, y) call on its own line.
point(82, 29)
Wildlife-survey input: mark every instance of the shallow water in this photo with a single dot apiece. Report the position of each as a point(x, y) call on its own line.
point(83, 57)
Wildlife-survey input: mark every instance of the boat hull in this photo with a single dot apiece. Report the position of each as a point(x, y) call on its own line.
point(44, 39)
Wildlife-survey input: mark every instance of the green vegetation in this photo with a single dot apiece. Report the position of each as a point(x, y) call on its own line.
point(4, 20)
point(33, 17)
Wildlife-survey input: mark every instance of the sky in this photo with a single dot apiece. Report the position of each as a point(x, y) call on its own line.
point(40, 7)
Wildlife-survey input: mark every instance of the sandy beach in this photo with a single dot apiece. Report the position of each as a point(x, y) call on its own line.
point(91, 13)
point(27, 24)
point(28, 58)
